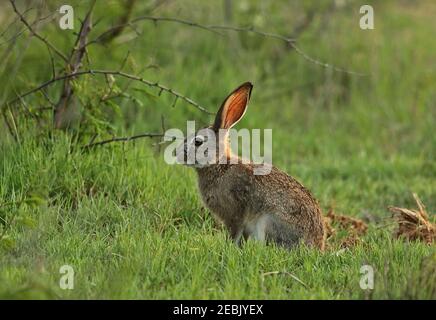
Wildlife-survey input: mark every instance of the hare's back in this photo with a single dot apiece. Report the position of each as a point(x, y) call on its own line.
point(276, 189)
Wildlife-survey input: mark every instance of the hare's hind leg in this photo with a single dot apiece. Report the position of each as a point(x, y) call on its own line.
point(237, 236)
point(270, 228)
point(282, 233)
point(255, 228)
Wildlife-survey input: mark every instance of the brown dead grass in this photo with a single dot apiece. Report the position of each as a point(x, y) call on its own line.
point(353, 228)
point(414, 224)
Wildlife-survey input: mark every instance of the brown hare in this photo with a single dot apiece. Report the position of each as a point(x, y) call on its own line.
point(271, 208)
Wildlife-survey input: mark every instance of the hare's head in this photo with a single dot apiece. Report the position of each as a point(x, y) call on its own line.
point(210, 145)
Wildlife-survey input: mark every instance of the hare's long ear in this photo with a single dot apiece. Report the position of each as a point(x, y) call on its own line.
point(233, 107)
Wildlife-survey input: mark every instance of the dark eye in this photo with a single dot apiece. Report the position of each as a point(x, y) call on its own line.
point(198, 141)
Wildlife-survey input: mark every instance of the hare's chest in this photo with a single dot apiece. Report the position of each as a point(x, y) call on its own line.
point(218, 202)
point(221, 201)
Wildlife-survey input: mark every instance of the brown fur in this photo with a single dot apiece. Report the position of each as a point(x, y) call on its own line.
point(273, 207)
point(234, 194)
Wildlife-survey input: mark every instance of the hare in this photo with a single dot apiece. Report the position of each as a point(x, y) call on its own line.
point(270, 208)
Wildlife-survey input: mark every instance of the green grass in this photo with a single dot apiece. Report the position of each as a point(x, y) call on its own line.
point(132, 226)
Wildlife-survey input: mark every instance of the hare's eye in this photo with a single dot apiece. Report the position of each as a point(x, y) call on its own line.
point(198, 141)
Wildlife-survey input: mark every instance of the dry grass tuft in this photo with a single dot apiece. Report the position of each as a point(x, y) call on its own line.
point(353, 228)
point(414, 224)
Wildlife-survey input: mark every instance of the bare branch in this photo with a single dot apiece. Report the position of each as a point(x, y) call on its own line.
point(323, 64)
point(253, 30)
point(12, 23)
point(37, 35)
point(115, 73)
point(35, 23)
point(123, 139)
point(216, 28)
point(79, 48)
point(62, 118)
point(53, 105)
point(116, 31)
point(53, 69)
point(123, 64)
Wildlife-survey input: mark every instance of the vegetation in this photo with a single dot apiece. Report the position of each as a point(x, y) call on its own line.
point(132, 226)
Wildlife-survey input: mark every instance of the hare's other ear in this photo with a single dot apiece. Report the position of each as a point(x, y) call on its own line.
point(233, 107)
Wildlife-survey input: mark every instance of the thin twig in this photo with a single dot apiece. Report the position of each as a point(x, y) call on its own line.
point(129, 5)
point(323, 64)
point(115, 73)
point(123, 64)
point(252, 30)
point(37, 35)
point(13, 22)
point(53, 69)
point(20, 32)
point(215, 29)
point(180, 21)
point(123, 139)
